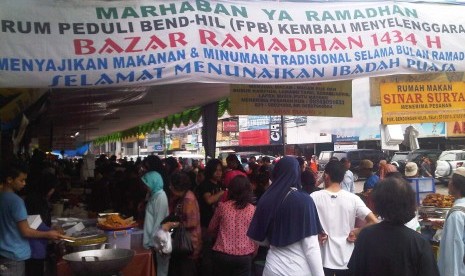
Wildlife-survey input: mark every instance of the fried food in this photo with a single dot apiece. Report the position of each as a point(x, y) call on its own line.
point(116, 221)
point(438, 200)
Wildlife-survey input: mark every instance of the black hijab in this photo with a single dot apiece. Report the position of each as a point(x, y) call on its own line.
point(285, 214)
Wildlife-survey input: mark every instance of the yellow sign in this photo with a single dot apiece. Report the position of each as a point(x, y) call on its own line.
point(319, 99)
point(175, 144)
point(133, 139)
point(406, 102)
point(456, 129)
point(375, 82)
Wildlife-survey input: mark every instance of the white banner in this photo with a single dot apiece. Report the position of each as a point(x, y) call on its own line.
point(71, 43)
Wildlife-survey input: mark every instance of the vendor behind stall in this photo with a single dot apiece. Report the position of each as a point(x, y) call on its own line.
point(14, 228)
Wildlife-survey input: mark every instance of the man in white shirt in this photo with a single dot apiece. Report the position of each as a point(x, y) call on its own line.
point(338, 210)
point(347, 183)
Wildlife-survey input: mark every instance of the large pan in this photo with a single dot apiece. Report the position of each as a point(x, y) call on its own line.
point(99, 262)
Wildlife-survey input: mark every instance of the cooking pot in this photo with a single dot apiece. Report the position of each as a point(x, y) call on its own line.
point(99, 262)
point(70, 248)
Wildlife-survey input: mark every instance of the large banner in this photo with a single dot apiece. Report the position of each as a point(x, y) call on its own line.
point(51, 43)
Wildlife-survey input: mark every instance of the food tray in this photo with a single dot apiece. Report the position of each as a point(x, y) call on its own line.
point(125, 227)
point(432, 212)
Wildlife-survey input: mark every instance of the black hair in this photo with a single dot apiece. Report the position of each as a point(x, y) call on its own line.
point(234, 158)
point(263, 176)
point(154, 163)
point(240, 191)
point(344, 159)
point(171, 164)
point(335, 170)
point(458, 181)
point(180, 181)
point(394, 200)
point(210, 168)
point(13, 169)
point(301, 161)
point(308, 179)
point(266, 159)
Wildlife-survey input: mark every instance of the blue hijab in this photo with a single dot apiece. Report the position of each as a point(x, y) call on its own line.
point(285, 215)
point(154, 181)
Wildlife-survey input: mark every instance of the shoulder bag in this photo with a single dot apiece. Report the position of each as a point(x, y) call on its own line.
point(180, 238)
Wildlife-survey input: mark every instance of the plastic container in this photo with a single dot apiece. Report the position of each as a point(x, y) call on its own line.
point(422, 186)
point(119, 238)
point(137, 238)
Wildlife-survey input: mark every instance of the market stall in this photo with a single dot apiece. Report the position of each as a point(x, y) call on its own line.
point(432, 214)
point(101, 244)
point(141, 265)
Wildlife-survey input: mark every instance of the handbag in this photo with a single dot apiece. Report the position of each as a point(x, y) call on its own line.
point(181, 242)
point(180, 238)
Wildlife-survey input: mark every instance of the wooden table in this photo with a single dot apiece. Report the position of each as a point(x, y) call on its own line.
point(141, 265)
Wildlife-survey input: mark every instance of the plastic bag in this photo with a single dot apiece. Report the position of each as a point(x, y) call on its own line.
point(162, 242)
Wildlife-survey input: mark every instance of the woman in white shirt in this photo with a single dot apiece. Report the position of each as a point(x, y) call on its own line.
point(286, 218)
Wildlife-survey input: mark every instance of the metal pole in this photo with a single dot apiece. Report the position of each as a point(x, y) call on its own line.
point(137, 144)
point(164, 141)
point(283, 133)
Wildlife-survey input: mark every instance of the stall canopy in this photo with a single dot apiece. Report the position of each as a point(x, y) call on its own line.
point(113, 65)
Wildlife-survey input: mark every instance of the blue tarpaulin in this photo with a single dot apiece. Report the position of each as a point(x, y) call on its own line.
point(71, 153)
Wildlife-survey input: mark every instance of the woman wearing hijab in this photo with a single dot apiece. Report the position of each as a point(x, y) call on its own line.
point(155, 211)
point(286, 218)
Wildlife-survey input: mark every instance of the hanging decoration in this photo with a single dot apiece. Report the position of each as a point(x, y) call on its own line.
point(182, 118)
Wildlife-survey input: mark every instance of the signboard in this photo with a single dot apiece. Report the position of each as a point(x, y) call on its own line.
point(254, 137)
point(158, 147)
point(340, 138)
point(230, 126)
point(254, 122)
point(319, 99)
point(405, 103)
point(345, 146)
point(456, 129)
point(276, 131)
point(375, 82)
point(175, 144)
point(91, 44)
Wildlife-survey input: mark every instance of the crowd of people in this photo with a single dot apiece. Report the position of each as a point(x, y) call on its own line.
point(296, 221)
